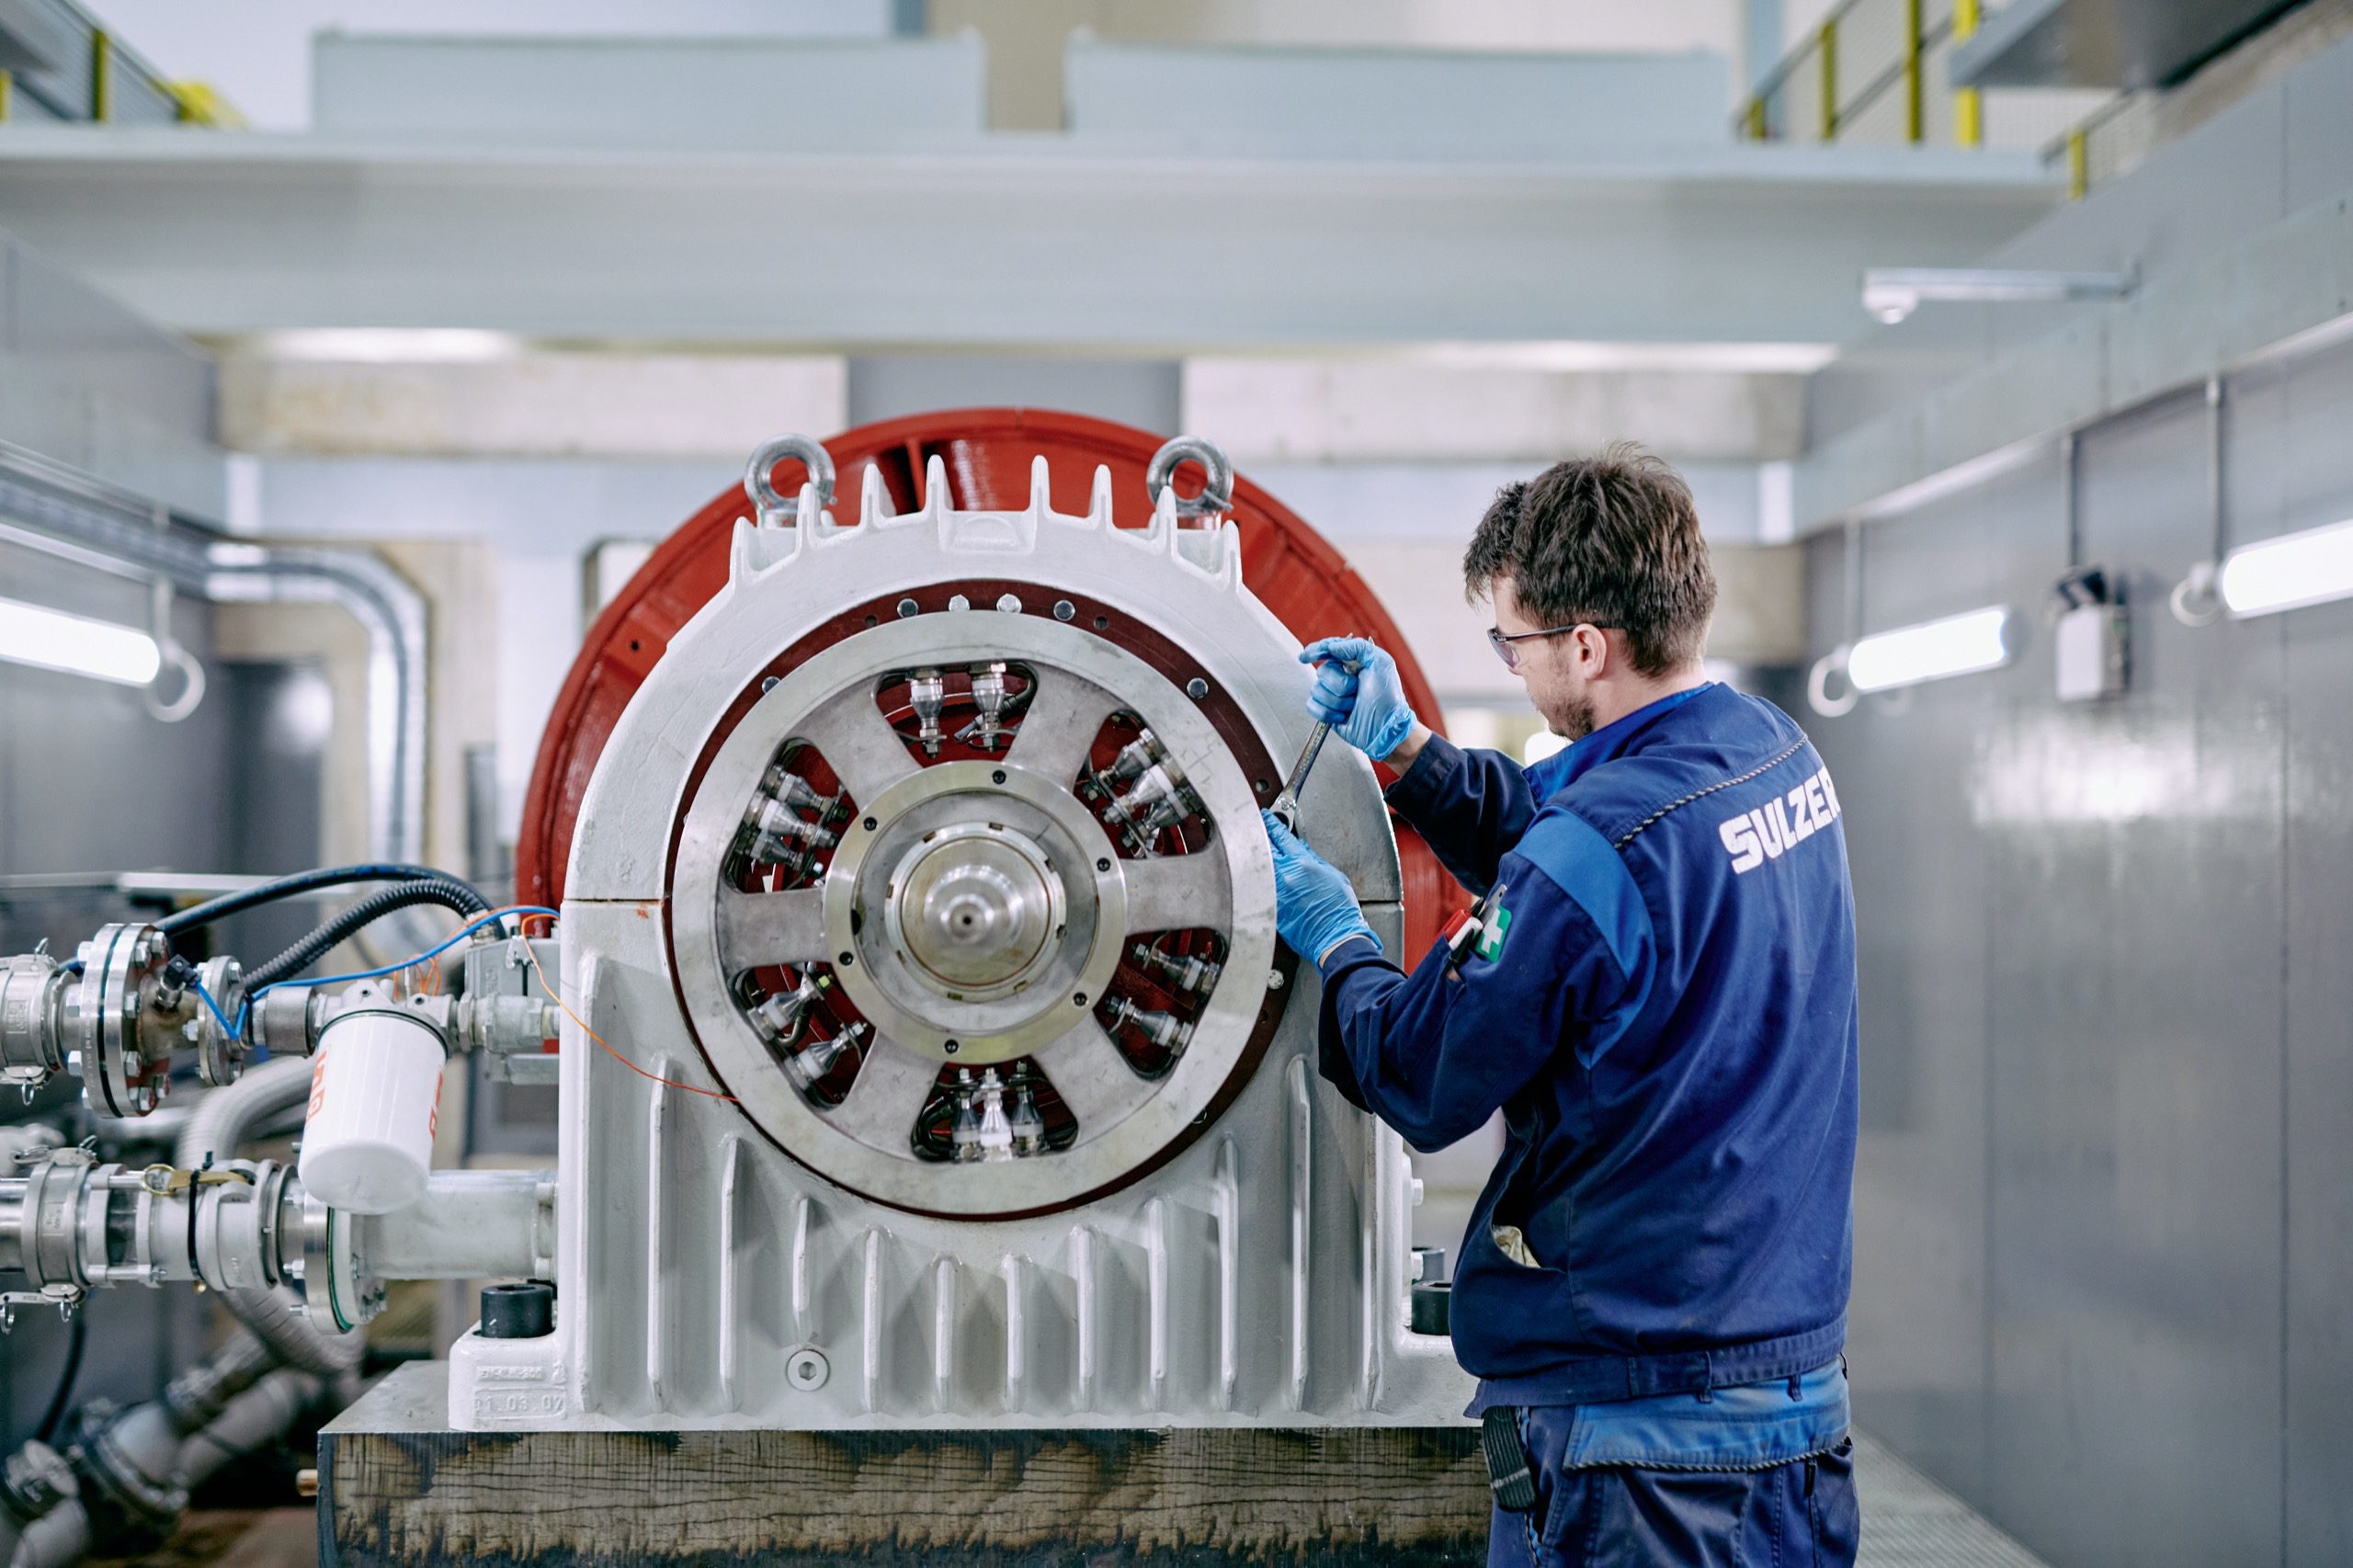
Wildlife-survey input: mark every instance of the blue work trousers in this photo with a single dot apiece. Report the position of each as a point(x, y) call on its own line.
point(1799, 1515)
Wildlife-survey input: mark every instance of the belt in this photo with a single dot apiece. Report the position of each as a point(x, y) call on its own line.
point(1598, 1379)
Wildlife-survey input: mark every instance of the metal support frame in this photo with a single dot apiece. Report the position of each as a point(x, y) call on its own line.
point(1827, 46)
point(1914, 94)
point(1968, 103)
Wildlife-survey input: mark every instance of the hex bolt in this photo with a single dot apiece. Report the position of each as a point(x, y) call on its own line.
point(1009, 603)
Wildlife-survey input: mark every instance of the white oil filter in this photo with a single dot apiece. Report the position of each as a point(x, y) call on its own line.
point(375, 1098)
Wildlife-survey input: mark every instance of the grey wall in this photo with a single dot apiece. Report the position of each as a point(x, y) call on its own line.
point(2104, 1205)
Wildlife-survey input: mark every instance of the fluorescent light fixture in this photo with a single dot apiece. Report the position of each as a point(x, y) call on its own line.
point(1892, 293)
point(394, 346)
point(1572, 355)
point(2308, 568)
point(1956, 645)
point(53, 639)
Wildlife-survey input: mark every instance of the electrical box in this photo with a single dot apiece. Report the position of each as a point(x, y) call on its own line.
point(2091, 649)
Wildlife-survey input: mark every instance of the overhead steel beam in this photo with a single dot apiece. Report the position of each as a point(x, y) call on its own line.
point(2124, 44)
point(2274, 292)
point(1016, 242)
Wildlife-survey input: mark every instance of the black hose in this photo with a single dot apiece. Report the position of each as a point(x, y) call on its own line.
point(57, 1402)
point(445, 890)
point(307, 881)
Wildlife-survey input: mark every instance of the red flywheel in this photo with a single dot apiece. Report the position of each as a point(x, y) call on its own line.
point(988, 451)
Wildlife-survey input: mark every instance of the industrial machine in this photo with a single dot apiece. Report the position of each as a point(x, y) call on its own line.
point(923, 1043)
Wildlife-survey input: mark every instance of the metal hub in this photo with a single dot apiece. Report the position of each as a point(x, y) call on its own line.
point(974, 907)
point(974, 840)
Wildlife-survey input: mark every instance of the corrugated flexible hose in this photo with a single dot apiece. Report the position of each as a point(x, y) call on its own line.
point(221, 1123)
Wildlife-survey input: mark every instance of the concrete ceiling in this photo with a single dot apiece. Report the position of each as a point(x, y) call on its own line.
point(1010, 240)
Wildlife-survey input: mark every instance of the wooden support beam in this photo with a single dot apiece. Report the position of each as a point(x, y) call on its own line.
point(393, 1491)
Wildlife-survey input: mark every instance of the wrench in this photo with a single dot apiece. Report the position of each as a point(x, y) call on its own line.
point(1285, 808)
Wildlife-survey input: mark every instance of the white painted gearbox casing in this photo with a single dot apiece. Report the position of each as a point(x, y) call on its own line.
point(706, 1279)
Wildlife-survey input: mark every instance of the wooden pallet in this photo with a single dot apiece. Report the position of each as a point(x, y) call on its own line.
point(397, 1487)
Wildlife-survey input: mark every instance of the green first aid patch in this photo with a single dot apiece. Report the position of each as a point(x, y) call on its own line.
point(1490, 936)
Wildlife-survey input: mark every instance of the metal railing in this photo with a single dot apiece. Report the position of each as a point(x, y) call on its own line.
point(94, 79)
point(1877, 73)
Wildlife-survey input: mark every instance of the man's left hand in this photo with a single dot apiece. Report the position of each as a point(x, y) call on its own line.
point(1315, 909)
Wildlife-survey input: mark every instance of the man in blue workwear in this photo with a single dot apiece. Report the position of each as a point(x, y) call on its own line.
point(1659, 995)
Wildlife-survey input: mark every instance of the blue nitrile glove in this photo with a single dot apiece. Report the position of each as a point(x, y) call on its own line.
point(1365, 707)
point(1315, 909)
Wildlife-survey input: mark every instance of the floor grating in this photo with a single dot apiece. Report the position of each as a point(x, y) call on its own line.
point(1909, 1521)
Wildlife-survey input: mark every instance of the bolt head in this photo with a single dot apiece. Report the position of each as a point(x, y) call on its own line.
point(1197, 689)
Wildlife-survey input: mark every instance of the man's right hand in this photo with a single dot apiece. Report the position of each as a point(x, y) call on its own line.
point(1365, 705)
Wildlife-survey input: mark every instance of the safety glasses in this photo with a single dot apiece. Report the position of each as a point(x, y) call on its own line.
point(1505, 644)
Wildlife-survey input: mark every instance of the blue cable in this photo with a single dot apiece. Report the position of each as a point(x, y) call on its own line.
point(244, 1010)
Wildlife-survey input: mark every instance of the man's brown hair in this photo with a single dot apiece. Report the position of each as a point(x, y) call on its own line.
point(1612, 540)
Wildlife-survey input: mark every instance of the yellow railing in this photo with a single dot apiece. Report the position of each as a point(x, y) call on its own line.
point(1877, 73)
point(97, 80)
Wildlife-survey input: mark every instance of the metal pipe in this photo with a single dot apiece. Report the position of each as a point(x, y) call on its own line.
point(469, 1225)
point(62, 511)
point(12, 1222)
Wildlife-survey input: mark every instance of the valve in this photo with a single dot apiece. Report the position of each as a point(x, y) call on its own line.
point(1159, 801)
point(790, 789)
point(1167, 1031)
point(774, 832)
point(809, 1066)
point(781, 1017)
point(926, 691)
point(988, 703)
point(1023, 1118)
point(1129, 764)
point(1193, 975)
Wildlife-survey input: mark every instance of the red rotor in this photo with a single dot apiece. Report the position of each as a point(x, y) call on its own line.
point(1294, 570)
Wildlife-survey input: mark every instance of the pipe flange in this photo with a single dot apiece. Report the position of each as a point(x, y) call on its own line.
point(220, 1054)
point(123, 1040)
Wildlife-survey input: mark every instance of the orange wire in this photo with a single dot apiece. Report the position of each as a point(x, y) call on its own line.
point(592, 1034)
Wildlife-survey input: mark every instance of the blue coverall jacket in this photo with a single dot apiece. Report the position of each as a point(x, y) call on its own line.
point(1663, 1005)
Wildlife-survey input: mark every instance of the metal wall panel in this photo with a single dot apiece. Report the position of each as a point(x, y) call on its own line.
point(2103, 1243)
point(2317, 1372)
